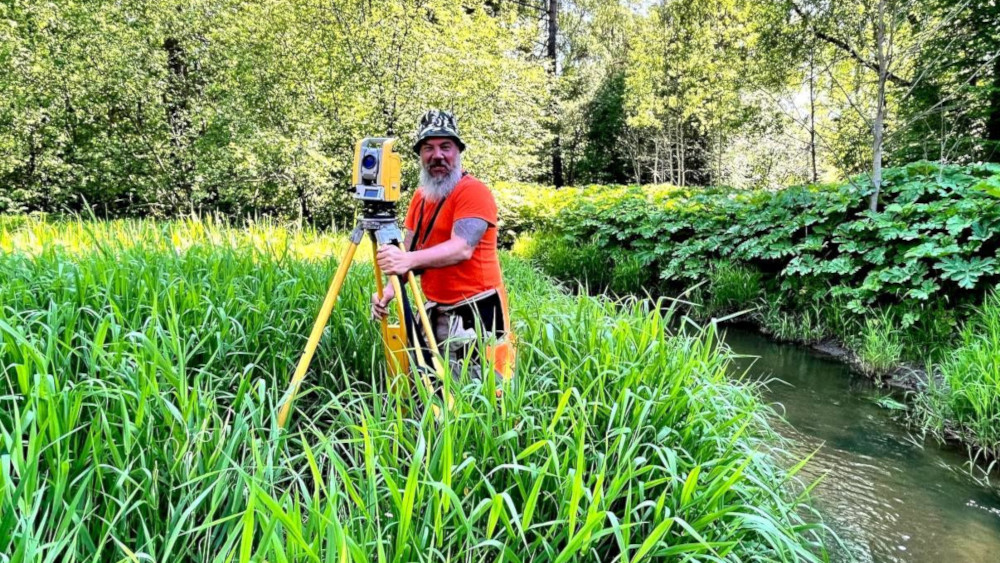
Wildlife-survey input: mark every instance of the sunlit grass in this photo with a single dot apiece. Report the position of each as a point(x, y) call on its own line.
point(804, 327)
point(142, 362)
point(31, 236)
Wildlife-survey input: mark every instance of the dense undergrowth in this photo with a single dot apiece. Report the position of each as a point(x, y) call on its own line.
point(966, 400)
point(141, 363)
point(807, 264)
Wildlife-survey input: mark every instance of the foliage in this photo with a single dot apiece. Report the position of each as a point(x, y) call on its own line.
point(954, 111)
point(936, 237)
point(879, 347)
point(247, 108)
point(965, 400)
point(733, 287)
point(144, 362)
point(890, 403)
point(803, 327)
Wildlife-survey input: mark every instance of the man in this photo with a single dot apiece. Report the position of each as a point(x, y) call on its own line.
point(451, 240)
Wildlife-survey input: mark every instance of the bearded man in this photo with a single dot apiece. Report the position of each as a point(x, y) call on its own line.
point(451, 241)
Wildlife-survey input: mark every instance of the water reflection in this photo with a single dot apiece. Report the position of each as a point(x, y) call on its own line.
point(890, 496)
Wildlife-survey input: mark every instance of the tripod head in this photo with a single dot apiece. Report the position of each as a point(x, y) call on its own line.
point(378, 210)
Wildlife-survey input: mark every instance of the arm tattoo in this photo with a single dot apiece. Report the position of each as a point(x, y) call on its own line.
point(471, 230)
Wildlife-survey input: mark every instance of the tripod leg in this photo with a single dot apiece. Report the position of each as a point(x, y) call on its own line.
point(317, 331)
point(394, 280)
point(394, 335)
point(418, 303)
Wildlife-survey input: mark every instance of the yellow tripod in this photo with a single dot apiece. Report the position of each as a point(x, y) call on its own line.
point(382, 229)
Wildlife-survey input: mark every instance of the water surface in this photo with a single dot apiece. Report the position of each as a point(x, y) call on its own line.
point(891, 497)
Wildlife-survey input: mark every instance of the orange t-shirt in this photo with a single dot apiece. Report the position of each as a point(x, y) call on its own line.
point(451, 284)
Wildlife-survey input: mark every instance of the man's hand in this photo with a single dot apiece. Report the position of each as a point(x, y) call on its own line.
point(380, 306)
point(393, 261)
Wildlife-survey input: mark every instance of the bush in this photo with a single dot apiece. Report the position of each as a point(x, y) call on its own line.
point(732, 287)
point(804, 327)
point(879, 347)
point(935, 237)
point(567, 260)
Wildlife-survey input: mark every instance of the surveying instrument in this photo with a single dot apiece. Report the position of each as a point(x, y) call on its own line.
point(376, 182)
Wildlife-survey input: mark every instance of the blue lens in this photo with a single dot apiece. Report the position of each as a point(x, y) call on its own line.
point(368, 161)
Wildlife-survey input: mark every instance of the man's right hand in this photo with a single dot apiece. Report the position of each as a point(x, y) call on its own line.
point(380, 307)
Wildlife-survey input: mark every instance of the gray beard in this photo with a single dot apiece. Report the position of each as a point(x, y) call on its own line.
point(436, 189)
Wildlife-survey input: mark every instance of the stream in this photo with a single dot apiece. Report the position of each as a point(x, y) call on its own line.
point(890, 496)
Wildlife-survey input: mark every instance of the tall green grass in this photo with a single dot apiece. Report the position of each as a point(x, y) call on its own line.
point(879, 346)
point(583, 262)
point(141, 364)
point(965, 400)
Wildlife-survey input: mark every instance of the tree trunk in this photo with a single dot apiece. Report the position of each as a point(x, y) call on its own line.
point(879, 123)
point(812, 113)
point(681, 154)
point(718, 173)
point(553, 17)
point(993, 122)
point(175, 99)
point(656, 161)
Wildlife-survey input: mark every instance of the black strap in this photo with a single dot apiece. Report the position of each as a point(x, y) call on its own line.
point(420, 238)
point(415, 329)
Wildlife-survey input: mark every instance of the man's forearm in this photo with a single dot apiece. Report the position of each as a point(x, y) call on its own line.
point(448, 253)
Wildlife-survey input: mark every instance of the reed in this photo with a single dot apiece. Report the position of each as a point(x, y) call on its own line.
point(966, 398)
point(142, 363)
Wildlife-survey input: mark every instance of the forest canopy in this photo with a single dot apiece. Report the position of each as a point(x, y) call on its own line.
point(165, 107)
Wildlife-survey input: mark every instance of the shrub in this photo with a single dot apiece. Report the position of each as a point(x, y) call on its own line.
point(804, 327)
point(732, 287)
point(938, 233)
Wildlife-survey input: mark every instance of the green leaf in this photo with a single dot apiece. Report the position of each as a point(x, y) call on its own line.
point(966, 272)
point(990, 185)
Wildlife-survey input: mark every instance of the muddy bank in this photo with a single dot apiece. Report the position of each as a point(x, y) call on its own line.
point(904, 377)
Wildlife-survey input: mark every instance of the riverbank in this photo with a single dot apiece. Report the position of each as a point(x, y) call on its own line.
point(891, 494)
point(903, 293)
point(951, 392)
point(955, 397)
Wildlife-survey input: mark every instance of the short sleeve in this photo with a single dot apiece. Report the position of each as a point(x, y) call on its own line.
point(476, 202)
point(410, 223)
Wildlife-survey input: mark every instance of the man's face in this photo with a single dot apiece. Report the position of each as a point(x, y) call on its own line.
point(438, 156)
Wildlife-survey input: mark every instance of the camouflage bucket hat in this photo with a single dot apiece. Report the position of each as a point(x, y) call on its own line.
point(437, 123)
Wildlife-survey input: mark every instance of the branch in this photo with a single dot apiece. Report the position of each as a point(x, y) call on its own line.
point(842, 45)
point(527, 5)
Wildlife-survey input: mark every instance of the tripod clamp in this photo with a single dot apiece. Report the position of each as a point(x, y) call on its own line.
point(384, 230)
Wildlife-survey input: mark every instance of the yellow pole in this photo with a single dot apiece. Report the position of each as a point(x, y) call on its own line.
point(418, 304)
point(394, 280)
point(317, 331)
point(379, 286)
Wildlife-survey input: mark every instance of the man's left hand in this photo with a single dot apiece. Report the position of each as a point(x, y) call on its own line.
point(393, 261)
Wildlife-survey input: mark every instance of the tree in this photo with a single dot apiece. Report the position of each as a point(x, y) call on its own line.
point(690, 77)
point(954, 111)
point(169, 106)
point(884, 39)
